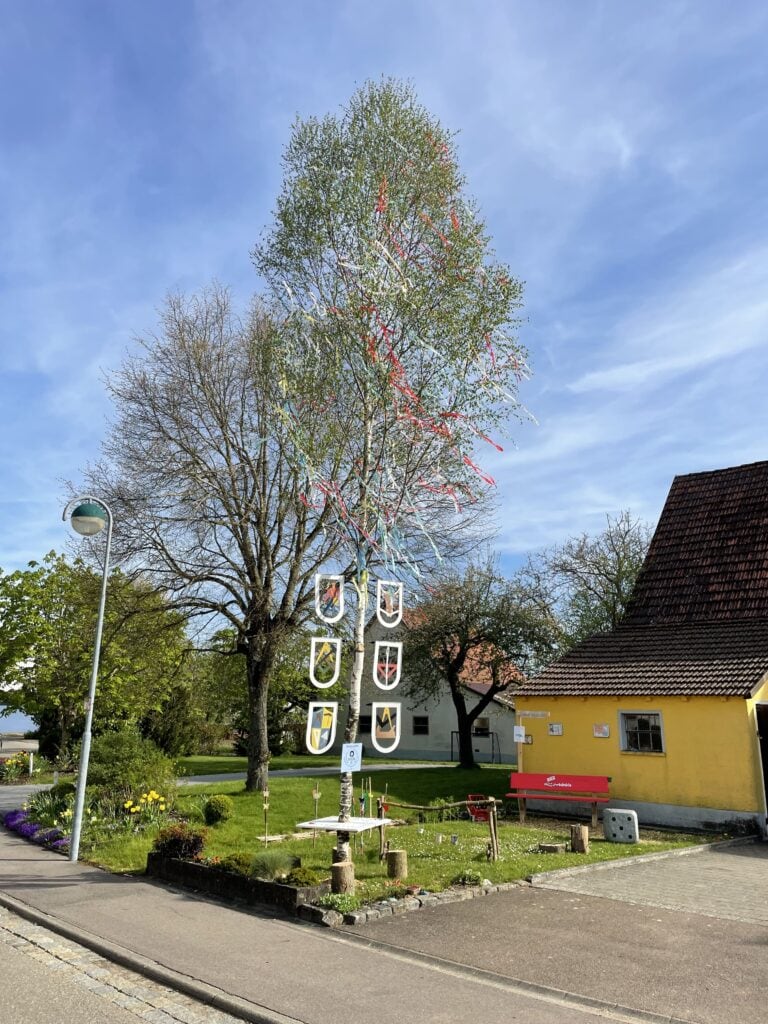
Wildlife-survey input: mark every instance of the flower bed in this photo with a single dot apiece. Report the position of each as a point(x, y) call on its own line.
point(20, 823)
point(228, 884)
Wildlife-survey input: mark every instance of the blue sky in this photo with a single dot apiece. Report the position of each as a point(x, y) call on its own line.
point(617, 152)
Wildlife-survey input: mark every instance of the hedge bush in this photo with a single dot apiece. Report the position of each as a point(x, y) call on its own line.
point(218, 808)
point(180, 841)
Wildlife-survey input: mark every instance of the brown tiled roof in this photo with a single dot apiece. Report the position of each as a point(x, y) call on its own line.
point(727, 658)
point(708, 559)
point(505, 697)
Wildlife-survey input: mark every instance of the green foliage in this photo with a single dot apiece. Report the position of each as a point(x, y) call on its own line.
point(475, 626)
point(218, 808)
point(62, 789)
point(174, 726)
point(241, 863)
point(123, 763)
point(180, 841)
point(396, 313)
point(467, 877)
point(343, 902)
point(47, 627)
point(274, 864)
point(49, 808)
point(15, 767)
point(442, 812)
point(304, 876)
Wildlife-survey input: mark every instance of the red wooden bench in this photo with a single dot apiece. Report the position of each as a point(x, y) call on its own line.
point(583, 789)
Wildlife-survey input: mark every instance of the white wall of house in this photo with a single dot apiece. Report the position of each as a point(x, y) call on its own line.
point(426, 728)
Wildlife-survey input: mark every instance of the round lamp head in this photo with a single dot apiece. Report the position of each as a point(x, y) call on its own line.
point(88, 519)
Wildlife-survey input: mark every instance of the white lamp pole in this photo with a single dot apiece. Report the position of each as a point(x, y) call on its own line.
point(89, 516)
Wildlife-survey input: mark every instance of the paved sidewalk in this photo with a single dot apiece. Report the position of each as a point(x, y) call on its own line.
point(256, 966)
point(536, 955)
point(729, 882)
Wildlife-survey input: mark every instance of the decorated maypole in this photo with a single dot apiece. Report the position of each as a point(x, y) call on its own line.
point(398, 326)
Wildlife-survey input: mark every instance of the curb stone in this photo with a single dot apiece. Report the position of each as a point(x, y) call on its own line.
point(199, 991)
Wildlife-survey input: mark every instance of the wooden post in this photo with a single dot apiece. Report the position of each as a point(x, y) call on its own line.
point(343, 876)
point(494, 820)
point(380, 814)
point(397, 864)
point(579, 839)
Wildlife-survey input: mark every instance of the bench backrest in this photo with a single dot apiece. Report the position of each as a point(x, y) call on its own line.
point(559, 783)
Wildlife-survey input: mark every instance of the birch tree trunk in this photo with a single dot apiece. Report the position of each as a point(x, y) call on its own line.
point(347, 794)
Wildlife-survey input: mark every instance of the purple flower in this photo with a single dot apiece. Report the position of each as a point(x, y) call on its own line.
point(28, 829)
point(13, 818)
point(60, 844)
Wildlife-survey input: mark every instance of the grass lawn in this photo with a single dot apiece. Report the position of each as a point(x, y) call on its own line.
point(431, 863)
point(220, 764)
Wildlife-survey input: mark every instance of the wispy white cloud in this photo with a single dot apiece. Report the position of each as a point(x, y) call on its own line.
point(716, 316)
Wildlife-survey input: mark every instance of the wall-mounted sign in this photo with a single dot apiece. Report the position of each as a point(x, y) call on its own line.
point(324, 660)
point(387, 662)
point(601, 730)
point(519, 733)
point(389, 602)
point(321, 726)
point(533, 714)
point(555, 728)
point(385, 734)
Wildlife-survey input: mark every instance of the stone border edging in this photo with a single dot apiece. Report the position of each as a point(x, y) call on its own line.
point(395, 906)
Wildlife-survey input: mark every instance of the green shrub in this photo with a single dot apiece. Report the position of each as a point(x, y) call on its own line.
point(123, 763)
point(240, 863)
point(218, 808)
point(273, 864)
point(180, 841)
point(344, 902)
point(62, 789)
point(467, 877)
point(303, 876)
point(439, 811)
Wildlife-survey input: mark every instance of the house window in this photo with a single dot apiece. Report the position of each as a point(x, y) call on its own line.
point(366, 723)
point(641, 732)
point(421, 725)
point(482, 727)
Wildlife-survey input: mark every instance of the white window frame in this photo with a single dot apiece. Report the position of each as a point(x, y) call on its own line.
point(625, 748)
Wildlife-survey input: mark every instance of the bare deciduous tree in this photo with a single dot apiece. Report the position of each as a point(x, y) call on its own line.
point(587, 582)
point(201, 470)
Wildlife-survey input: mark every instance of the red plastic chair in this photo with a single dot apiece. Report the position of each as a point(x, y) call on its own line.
point(477, 813)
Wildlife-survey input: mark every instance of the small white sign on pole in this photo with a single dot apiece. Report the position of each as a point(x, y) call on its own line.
point(351, 757)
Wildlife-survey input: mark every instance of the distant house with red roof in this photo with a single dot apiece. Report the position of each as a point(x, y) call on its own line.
point(673, 704)
point(428, 728)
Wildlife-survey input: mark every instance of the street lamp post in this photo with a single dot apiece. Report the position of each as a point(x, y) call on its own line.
point(89, 516)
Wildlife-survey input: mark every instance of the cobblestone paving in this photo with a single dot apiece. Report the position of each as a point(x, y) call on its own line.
point(730, 883)
point(149, 1001)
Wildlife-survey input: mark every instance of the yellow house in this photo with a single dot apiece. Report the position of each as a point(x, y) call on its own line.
point(673, 704)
